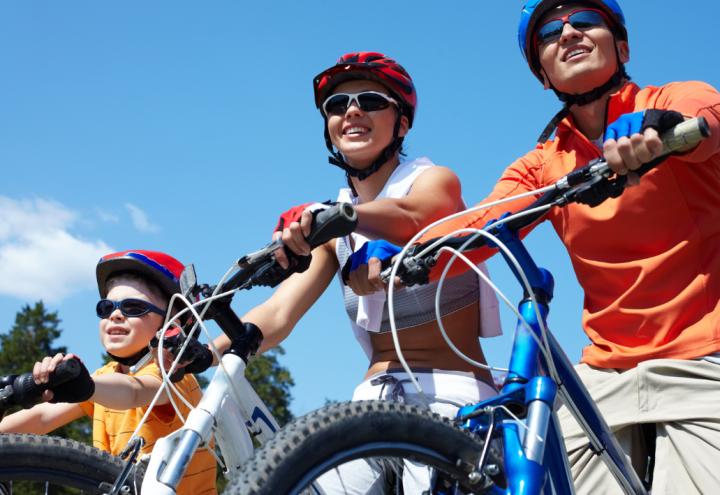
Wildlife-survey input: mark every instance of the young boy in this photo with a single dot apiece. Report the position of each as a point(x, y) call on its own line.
point(135, 287)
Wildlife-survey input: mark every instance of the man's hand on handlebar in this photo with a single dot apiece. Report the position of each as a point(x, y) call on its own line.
point(634, 139)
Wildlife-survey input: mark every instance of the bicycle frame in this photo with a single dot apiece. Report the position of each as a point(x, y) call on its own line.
point(535, 458)
point(228, 403)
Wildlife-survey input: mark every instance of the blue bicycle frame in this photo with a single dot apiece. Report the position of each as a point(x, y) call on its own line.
point(535, 460)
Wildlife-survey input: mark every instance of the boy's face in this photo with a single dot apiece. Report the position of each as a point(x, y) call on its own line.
point(122, 335)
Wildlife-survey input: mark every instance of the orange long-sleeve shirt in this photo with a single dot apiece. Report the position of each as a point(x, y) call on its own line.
point(648, 261)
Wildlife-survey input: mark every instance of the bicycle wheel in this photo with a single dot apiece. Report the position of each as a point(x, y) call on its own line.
point(402, 447)
point(38, 464)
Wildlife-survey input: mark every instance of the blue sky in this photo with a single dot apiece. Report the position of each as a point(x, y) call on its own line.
point(189, 126)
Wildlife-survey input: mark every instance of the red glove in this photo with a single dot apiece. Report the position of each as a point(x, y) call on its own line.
point(290, 216)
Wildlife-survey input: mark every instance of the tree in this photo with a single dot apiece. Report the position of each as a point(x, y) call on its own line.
point(272, 382)
point(30, 339)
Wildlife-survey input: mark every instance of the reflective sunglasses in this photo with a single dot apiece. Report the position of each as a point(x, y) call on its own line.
point(367, 101)
point(581, 20)
point(128, 307)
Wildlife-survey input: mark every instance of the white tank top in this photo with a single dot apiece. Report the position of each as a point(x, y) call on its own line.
point(413, 305)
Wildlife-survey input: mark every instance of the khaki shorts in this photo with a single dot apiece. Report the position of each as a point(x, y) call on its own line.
point(681, 398)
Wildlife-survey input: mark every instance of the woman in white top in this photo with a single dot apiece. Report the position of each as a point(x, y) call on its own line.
point(368, 101)
point(368, 104)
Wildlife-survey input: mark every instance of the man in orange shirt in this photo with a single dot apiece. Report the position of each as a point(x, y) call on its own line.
point(647, 261)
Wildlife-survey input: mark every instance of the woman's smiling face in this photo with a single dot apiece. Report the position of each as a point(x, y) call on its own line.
point(361, 136)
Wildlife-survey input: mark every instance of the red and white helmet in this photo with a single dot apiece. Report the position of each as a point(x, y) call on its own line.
point(160, 268)
point(373, 66)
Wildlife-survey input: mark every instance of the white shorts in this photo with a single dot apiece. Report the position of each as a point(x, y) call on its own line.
point(445, 392)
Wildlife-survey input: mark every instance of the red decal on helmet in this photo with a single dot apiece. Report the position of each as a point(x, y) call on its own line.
point(160, 268)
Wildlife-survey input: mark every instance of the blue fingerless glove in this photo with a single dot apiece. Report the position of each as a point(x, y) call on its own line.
point(380, 249)
point(625, 126)
point(636, 123)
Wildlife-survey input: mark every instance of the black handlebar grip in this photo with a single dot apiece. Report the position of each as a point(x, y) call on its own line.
point(27, 393)
point(337, 221)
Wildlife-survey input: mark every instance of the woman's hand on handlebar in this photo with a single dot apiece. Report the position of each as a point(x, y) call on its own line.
point(363, 269)
point(293, 228)
point(292, 232)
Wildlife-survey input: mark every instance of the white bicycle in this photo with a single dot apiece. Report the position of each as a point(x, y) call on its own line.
point(230, 412)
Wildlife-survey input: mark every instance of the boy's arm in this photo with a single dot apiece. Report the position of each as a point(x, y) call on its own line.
point(121, 392)
point(41, 419)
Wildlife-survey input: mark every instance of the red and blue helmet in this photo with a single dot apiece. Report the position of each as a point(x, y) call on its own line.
point(534, 10)
point(160, 268)
point(373, 66)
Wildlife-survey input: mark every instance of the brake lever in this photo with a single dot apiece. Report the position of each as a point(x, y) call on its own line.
point(412, 271)
point(259, 256)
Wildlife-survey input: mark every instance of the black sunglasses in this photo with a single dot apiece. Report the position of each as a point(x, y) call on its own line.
point(128, 307)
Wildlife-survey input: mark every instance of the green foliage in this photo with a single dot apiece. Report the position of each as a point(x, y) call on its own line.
point(31, 339)
point(272, 382)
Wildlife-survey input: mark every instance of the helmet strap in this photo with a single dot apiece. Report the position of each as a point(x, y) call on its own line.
point(569, 100)
point(130, 360)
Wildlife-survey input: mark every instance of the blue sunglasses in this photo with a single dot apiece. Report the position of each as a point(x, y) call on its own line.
point(581, 20)
point(128, 307)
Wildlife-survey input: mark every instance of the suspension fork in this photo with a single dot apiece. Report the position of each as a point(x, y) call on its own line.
point(525, 447)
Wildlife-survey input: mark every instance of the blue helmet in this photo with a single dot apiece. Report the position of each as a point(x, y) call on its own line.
point(536, 9)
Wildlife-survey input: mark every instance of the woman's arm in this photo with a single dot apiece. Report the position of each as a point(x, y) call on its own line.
point(277, 316)
point(436, 193)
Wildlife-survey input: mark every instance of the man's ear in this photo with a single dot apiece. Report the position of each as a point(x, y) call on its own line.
point(624, 51)
point(545, 80)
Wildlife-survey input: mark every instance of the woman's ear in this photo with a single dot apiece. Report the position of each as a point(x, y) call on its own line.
point(404, 126)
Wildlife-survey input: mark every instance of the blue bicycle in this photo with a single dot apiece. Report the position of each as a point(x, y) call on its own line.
point(510, 444)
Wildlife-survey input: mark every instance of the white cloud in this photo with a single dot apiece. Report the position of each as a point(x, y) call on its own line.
point(140, 219)
point(106, 216)
point(40, 258)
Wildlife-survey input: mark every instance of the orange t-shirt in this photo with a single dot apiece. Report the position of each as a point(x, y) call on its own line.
point(648, 261)
point(112, 429)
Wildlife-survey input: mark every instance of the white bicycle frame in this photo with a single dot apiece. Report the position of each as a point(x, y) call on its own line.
point(230, 410)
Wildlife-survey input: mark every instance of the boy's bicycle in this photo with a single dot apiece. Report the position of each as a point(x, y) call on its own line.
point(230, 411)
point(509, 444)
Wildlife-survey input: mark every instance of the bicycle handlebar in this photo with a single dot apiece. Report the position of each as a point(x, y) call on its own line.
point(590, 185)
point(21, 390)
point(260, 267)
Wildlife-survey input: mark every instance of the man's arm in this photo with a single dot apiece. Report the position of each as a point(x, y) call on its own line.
point(695, 99)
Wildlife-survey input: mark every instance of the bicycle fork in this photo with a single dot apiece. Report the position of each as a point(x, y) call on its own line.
point(217, 410)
